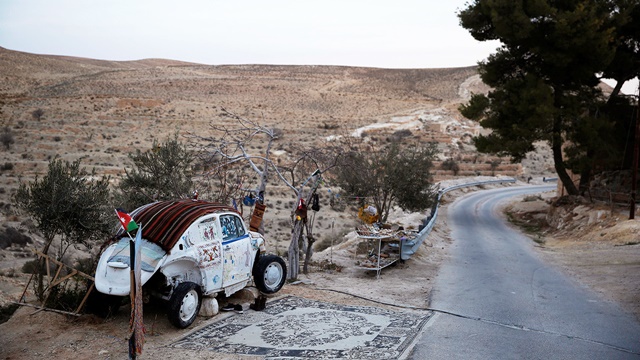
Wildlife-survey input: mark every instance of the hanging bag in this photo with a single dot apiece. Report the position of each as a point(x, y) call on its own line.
point(315, 202)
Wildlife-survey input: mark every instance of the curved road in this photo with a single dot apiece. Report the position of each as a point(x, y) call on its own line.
point(496, 299)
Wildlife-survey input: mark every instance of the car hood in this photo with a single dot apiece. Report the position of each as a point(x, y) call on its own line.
point(113, 271)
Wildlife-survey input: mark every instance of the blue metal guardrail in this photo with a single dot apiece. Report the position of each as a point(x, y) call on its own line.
point(409, 247)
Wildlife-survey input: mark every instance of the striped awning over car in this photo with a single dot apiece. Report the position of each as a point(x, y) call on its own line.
point(163, 222)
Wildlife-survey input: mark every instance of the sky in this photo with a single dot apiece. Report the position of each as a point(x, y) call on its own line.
point(373, 33)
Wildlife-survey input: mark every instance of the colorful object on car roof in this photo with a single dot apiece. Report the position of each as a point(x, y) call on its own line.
point(125, 219)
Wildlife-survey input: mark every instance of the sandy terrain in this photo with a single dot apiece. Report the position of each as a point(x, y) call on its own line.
point(614, 275)
point(88, 337)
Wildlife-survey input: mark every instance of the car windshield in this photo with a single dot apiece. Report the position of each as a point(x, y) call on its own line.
point(150, 254)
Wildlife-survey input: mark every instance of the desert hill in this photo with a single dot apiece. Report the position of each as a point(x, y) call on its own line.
point(101, 110)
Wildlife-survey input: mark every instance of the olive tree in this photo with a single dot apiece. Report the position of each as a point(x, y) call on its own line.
point(163, 172)
point(68, 204)
point(390, 175)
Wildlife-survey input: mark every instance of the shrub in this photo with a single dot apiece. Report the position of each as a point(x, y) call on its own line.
point(329, 126)
point(161, 173)
point(278, 133)
point(389, 176)
point(66, 296)
point(37, 114)
point(12, 236)
point(326, 242)
point(7, 311)
point(31, 267)
point(63, 203)
point(494, 165)
point(86, 265)
point(530, 198)
point(6, 138)
point(10, 272)
point(7, 166)
point(452, 165)
point(399, 135)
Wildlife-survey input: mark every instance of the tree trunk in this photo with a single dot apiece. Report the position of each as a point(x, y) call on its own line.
point(558, 162)
point(309, 245)
point(585, 174)
point(585, 178)
point(41, 270)
point(264, 178)
point(294, 252)
point(556, 145)
point(307, 256)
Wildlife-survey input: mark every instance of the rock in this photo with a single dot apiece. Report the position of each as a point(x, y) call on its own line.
point(246, 295)
point(597, 216)
point(209, 307)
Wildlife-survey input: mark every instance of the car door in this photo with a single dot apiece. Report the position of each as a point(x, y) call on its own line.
point(205, 238)
point(236, 249)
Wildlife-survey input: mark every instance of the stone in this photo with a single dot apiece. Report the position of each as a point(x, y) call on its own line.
point(209, 307)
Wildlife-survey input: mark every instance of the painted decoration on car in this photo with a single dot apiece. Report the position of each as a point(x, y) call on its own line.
point(229, 264)
point(209, 247)
point(208, 255)
point(208, 231)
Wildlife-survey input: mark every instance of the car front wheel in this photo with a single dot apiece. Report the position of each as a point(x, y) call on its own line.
point(269, 273)
point(184, 304)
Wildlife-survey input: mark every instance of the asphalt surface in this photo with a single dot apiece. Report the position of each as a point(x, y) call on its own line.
point(496, 299)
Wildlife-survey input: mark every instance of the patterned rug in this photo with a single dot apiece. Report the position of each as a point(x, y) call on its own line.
point(297, 328)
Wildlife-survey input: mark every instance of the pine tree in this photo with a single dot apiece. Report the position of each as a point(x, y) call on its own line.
point(545, 76)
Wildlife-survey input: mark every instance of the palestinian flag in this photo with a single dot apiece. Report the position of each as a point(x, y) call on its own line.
point(125, 219)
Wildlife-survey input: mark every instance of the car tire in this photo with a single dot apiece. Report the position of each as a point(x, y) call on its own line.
point(269, 273)
point(184, 304)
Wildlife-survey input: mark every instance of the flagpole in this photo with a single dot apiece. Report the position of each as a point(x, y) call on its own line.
point(132, 295)
point(136, 342)
point(136, 325)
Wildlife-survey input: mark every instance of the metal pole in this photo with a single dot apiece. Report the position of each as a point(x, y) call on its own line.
point(634, 167)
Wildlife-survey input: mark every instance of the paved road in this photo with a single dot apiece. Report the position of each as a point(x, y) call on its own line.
point(499, 300)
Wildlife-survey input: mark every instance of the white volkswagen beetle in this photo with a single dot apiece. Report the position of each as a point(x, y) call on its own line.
point(190, 249)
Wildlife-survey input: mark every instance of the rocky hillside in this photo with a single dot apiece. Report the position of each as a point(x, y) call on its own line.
point(102, 110)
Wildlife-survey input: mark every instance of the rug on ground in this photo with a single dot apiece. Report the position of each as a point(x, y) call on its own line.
point(293, 327)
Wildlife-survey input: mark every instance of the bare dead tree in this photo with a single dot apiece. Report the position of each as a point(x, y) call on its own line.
point(299, 223)
point(229, 149)
point(316, 162)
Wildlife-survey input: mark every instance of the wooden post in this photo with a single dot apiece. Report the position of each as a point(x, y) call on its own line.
point(55, 281)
